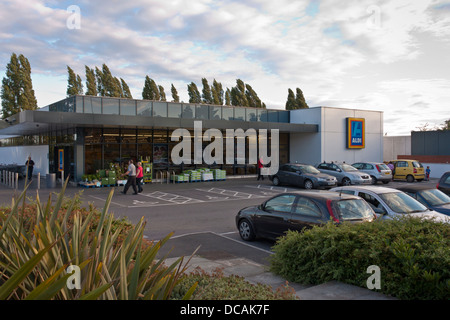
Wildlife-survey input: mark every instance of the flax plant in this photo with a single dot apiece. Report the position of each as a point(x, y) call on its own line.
point(34, 260)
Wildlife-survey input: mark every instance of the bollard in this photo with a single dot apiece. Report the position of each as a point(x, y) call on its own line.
point(17, 181)
point(39, 181)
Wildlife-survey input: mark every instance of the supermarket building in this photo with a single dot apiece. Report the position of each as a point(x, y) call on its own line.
point(82, 134)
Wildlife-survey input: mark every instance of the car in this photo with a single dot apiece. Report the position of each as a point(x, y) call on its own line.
point(299, 210)
point(408, 170)
point(444, 183)
point(389, 203)
point(303, 175)
point(378, 171)
point(434, 199)
point(345, 174)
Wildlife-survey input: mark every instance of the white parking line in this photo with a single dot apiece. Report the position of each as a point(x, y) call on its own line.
point(231, 193)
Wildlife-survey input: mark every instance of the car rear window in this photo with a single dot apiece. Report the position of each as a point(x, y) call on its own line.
point(382, 166)
point(354, 209)
point(417, 164)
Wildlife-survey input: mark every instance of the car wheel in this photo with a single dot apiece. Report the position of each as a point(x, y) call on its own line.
point(308, 185)
point(276, 181)
point(246, 231)
point(410, 178)
point(346, 182)
point(374, 180)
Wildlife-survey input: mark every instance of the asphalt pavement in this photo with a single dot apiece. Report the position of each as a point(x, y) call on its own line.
point(221, 248)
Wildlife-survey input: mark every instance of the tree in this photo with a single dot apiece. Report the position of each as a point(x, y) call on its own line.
point(175, 97)
point(300, 99)
point(162, 94)
point(291, 102)
point(74, 83)
point(206, 92)
point(238, 97)
point(194, 94)
point(228, 97)
point(151, 90)
point(17, 92)
point(91, 83)
point(217, 92)
point(125, 89)
point(252, 98)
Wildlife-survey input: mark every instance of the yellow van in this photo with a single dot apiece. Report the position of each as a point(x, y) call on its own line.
point(408, 170)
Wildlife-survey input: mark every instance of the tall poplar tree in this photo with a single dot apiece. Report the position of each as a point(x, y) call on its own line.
point(206, 92)
point(74, 83)
point(150, 90)
point(290, 103)
point(175, 97)
point(17, 88)
point(194, 94)
point(217, 92)
point(125, 90)
point(300, 99)
point(91, 82)
point(162, 94)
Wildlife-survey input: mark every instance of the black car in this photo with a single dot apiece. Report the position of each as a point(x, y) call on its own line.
point(299, 210)
point(444, 183)
point(303, 175)
point(433, 199)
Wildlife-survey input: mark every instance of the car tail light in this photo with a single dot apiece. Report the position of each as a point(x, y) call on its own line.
point(330, 211)
point(378, 168)
point(437, 186)
point(415, 170)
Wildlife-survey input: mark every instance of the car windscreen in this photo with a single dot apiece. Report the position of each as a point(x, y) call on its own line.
point(354, 209)
point(382, 166)
point(348, 168)
point(309, 169)
point(400, 202)
point(435, 197)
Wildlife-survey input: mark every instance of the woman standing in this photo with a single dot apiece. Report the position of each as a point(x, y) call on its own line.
point(139, 176)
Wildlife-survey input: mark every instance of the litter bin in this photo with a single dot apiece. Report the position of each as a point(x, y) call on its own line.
point(51, 180)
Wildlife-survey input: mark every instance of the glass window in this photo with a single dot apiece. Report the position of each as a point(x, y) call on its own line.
point(110, 106)
point(202, 112)
point(239, 114)
point(251, 115)
point(281, 203)
point(111, 135)
point(188, 111)
point(145, 136)
point(402, 203)
point(128, 135)
point(262, 115)
point(227, 113)
point(127, 107)
point(96, 105)
point(435, 197)
point(272, 116)
point(215, 113)
point(144, 108)
point(373, 202)
point(87, 104)
point(79, 104)
point(174, 110)
point(160, 109)
point(160, 136)
point(283, 116)
point(354, 209)
point(306, 207)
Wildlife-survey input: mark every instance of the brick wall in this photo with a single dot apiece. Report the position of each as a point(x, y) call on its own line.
point(426, 159)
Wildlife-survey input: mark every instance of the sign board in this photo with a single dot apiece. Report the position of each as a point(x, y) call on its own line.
point(356, 133)
point(60, 160)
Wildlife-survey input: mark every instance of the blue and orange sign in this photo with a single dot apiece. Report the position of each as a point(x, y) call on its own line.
point(356, 133)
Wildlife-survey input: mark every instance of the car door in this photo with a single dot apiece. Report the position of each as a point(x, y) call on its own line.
point(273, 220)
point(283, 174)
point(305, 214)
point(296, 176)
point(401, 169)
point(375, 203)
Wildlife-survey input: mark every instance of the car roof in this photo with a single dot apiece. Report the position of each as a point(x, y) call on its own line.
point(374, 189)
point(371, 162)
point(415, 188)
point(323, 195)
point(296, 164)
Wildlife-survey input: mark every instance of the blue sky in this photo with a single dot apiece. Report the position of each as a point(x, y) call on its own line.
point(386, 55)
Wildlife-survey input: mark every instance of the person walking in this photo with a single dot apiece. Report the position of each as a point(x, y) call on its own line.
point(260, 167)
point(30, 165)
point(131, 172)
point(139, 176)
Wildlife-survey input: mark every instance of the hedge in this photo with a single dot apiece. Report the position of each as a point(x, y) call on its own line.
point(413, 256)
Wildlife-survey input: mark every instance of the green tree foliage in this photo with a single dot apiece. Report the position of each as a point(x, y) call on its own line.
point(252, 98)
point(175, 97)
point(126, 93)
point(17, 89)
point(194, 94)
point(243, 95)
point(296, 102)
point(74, 83)
point(107, 84)
point(162, 94)
point(217, 93)
point(228, 97)
point(91, 82)
point(206, 92)
point(150, 90)
point(290, 103)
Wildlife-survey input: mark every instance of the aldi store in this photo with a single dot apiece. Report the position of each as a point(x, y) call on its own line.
point(83, 134)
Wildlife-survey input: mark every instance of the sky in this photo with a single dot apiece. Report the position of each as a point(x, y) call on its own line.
point(385, 55)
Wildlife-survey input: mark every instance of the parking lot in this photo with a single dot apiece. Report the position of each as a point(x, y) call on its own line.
point(199, 214)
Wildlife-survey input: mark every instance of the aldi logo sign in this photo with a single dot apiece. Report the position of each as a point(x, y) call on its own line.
point(356, 128)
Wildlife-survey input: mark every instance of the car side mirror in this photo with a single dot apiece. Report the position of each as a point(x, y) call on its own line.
point(338, 170)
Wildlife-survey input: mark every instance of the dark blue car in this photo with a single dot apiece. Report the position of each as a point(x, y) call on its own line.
point(434, 199)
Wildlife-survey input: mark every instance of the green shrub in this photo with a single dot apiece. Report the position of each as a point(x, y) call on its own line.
point(413, 256)
point(38, 242)
point(216, 286)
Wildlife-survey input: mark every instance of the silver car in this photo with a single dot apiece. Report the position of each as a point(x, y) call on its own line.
point(345, 174)
point(389, 203)
point(378, 171)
